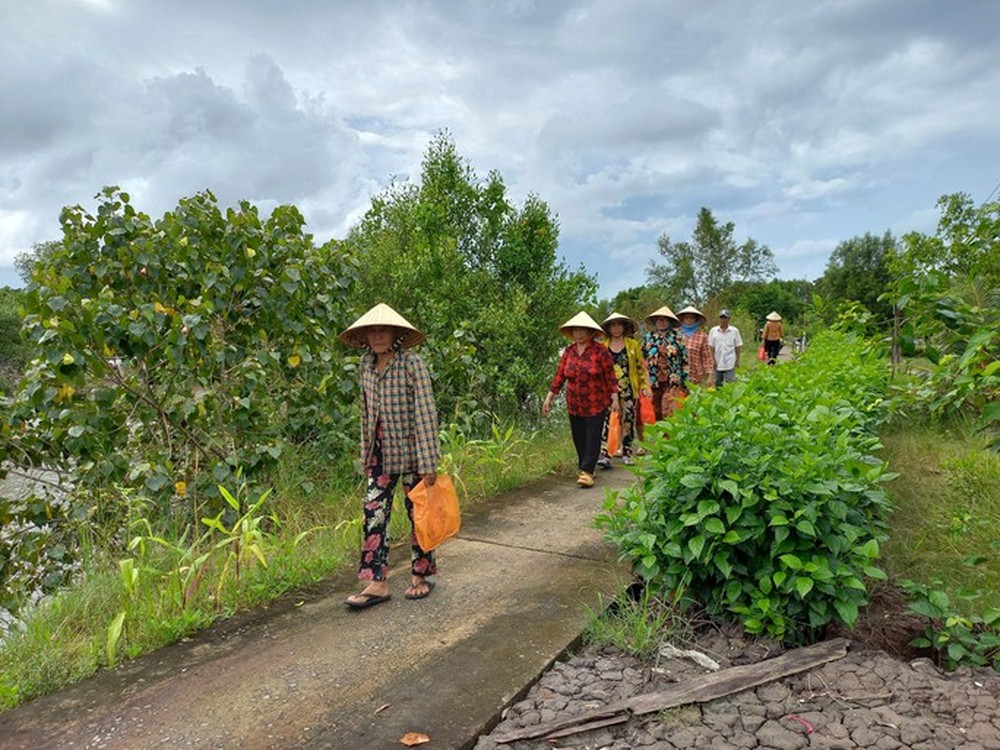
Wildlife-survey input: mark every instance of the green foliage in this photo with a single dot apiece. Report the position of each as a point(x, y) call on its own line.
point(859, 270)
point(958, 639)
point(765, 500)
point(14, 350)
point(948, 291)
point(697, 271)
point(479, 274)
point(759, 298)
point(638, 626)
point(37, 548)
point(170, 353)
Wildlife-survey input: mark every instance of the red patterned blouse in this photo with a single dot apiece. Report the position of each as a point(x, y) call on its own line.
point(589, 377)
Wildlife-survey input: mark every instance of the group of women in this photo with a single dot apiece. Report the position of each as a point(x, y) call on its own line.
point(606, 371)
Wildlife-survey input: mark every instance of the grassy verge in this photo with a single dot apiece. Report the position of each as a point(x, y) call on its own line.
point(132, 601)
point(947, 512)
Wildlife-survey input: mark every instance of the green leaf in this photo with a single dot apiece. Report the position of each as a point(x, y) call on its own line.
point(696, 544)
point(791, 561)
point(846, 610)
point(803, 586)
point(714, 526)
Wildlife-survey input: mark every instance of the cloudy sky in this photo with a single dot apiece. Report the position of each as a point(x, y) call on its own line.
point(803, 123)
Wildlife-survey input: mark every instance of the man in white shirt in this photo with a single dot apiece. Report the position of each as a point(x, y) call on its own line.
point(725, 341)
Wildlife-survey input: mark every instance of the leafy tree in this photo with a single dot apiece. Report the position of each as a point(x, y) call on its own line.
point(858, 270)
point(173, 353)
point(947, 287)
point(14, 350)
point(699, 270)
point(479, 274)
point(758, 298)
point(40, 253)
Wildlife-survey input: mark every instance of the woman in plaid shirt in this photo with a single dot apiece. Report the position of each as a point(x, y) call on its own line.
point(587, 368)
point(399, 440)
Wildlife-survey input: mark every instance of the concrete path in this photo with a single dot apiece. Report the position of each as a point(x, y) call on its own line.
point(514, 591)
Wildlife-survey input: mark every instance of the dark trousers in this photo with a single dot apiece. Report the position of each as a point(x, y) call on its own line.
point(772, 348)
point(587, 439)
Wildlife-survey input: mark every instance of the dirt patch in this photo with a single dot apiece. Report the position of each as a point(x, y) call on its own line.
point(886, 625)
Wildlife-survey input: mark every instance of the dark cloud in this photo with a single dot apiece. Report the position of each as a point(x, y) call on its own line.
point(802, 123)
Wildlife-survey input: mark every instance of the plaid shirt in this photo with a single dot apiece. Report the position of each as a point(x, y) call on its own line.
point(400, 397)
point(700, 362)
point(590, 379)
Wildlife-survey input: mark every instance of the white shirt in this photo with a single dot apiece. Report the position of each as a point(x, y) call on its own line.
point(724, 345)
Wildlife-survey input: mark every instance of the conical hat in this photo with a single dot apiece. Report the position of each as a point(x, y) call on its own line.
point(693, 311)
point(580, 320)
point(630, 325)
point(663, 312)
point(773, 315)
point(380, 315)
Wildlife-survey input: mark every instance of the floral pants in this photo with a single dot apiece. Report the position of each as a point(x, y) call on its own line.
point(378, 510)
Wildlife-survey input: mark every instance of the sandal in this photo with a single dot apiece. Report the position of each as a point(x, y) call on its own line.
point(420, 590)
point(365, 600)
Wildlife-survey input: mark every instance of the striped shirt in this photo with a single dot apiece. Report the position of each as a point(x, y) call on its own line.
point(400, 397)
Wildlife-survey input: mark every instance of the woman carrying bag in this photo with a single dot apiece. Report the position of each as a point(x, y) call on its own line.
point(633, 381)
point(591, 388)
point(399, 440)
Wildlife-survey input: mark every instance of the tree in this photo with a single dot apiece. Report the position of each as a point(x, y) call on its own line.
point(758, 298)
point(858, 270)
point(699, 270)
point(40, 253)
point(478, 273)
point(947, 288)
point(172, 353)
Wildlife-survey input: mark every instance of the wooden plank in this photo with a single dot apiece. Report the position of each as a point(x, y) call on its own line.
point(701, 689)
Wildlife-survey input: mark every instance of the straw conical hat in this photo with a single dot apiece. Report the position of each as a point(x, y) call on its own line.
point(380, 315)
point(693, 311)
point(663, 312)
point(773, 315)
point(580, 320)
point(630, 325)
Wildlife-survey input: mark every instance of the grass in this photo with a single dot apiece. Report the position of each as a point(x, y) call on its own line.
point(311, 531)
point(638, 625)
point(947, 511)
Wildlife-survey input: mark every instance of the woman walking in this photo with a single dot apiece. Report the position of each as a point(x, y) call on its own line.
point(399, 440)
point(633, 381)
point(666, 361)
point(591, 388)
point(772, 336)
point(701, 363)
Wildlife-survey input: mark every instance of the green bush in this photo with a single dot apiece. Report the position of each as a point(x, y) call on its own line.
point(763, 499)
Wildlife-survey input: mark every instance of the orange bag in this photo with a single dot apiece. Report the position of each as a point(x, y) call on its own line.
point(762, 353)
point(614, 433)
point(436, 514)
point(646, 411)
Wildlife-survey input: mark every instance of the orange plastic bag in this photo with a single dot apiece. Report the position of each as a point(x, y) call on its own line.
point(647, 413)
point(614, 433)
point(436, 514)
point(762, 353)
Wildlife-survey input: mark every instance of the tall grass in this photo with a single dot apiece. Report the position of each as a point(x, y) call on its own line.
point(944, 528)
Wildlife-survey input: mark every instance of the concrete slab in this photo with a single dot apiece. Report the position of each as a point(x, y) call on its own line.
point(514, 592)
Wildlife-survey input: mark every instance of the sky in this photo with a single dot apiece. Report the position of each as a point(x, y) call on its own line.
point(805, 124)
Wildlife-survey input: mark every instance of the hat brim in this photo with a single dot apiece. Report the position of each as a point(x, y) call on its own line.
point(358, 337)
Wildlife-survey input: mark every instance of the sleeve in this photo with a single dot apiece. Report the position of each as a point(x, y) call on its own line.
point(707, 358)
point(560, 376)
point(608, 366)
point(640, 364)
point(739, 338)
point(425, 417)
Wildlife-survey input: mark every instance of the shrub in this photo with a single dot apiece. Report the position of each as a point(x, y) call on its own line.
point(763, 499)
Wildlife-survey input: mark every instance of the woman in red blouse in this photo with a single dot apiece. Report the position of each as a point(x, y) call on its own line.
point(591, 389)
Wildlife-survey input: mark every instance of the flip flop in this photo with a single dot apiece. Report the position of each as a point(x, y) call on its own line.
point(368, 600)
point(421, 594)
